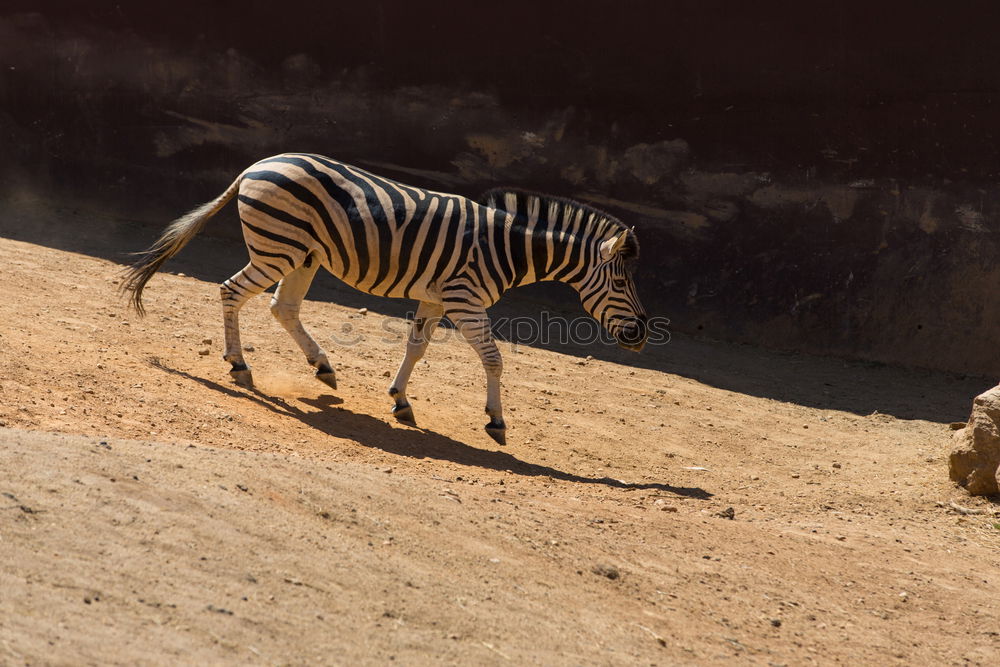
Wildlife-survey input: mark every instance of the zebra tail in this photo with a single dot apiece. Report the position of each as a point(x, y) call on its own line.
point(177, 235)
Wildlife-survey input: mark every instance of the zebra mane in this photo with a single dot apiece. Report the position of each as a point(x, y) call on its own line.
point(523, 199)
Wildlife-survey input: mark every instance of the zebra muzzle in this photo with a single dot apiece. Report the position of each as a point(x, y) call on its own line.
point(633, 334)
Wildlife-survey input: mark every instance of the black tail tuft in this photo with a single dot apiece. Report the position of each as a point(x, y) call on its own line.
point(176, 236)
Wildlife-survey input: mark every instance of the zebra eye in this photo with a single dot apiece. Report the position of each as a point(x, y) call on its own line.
point(619, 283)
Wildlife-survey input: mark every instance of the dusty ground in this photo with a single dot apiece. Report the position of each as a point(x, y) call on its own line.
point(152, 512)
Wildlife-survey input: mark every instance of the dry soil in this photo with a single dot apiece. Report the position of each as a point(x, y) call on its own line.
point(698, 504)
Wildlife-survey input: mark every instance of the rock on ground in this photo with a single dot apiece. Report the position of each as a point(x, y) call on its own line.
point(975, 458)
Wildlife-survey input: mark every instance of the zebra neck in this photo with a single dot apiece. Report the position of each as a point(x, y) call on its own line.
point(544, 237)
point(549, 255)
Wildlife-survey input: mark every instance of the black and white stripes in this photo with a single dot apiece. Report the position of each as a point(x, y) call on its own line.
point(455, 255)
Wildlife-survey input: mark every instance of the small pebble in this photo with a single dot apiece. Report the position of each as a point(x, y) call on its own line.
point(662, 504)
point(609, 571)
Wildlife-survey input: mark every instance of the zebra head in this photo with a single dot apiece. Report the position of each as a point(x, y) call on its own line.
point(608, 291)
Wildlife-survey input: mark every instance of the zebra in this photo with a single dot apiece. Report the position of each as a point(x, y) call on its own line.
point(453, 254)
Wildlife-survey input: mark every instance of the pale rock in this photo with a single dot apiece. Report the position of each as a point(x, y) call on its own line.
point(975, 458)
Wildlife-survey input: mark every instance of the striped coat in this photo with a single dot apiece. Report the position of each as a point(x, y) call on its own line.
point(456, 256)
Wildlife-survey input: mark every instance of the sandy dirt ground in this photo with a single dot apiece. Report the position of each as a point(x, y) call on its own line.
point(699, 503)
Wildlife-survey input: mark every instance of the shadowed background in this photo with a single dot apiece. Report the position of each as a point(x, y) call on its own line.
point(806, 176)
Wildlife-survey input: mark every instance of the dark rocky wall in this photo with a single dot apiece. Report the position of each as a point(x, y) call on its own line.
point(815, 176)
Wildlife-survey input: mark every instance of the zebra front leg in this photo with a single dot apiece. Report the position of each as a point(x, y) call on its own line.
point(285, 306)
point(424, 322)
point(475, 328)
point(248, 282)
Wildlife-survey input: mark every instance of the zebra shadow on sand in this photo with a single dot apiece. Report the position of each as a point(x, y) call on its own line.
point(414, 442)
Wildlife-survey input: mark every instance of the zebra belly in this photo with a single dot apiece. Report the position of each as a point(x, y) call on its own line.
point(420, 292)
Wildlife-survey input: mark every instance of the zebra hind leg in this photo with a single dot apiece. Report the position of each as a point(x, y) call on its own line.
point(426, 319)
point(285, 306)
point(248, 282)
point(475, 328)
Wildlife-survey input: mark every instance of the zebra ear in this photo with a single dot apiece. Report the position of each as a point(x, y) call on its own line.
point(613, 245)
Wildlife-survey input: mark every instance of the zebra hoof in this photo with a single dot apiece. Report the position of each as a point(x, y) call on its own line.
point(242, 376)
point(328, 378)
point(404, 413)
point(498, 432)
